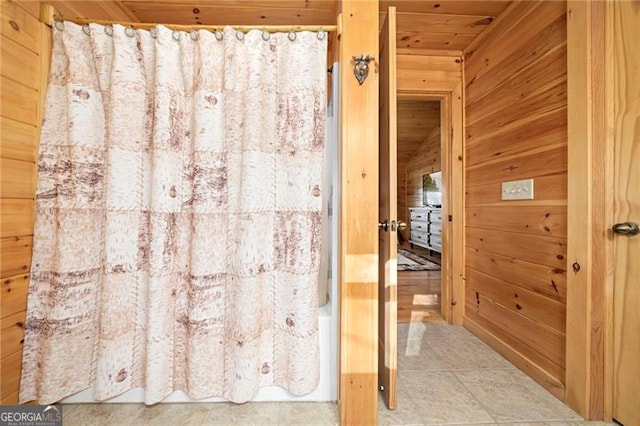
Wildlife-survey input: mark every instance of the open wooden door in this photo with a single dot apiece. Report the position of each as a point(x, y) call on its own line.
point(387, 267)
point(626, 268)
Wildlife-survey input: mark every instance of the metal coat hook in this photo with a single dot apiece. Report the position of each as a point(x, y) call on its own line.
point(361, 67)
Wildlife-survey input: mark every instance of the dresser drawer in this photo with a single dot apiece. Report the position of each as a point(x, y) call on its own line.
point(435, 240)
point(419, 215)
point(419, 226)
point(420, 237)
point(435, 228)
point(435, 216)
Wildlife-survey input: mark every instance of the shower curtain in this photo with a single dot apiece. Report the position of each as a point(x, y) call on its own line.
point(178, 214)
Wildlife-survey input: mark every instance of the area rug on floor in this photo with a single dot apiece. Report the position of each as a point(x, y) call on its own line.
point(408, 261)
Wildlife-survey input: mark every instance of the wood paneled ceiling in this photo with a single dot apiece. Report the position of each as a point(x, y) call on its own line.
point(447, 25)
point(421, 24)
point(416, 120)
point(441, 24)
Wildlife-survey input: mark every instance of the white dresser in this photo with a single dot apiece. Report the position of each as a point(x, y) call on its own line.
point(426, 228)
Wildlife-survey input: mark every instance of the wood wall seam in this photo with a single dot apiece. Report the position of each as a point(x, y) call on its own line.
point(19, 25)
point(550, 150)
point(515, 66)
point(544, 250)
point(14, 294)
point(504, 16)
point(533, 305)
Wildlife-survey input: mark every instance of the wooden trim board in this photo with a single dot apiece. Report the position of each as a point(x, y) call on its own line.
point(589, 297)
point(358, 289)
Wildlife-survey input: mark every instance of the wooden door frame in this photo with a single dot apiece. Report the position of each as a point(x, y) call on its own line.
point(452, 162)
point(358, 243)
point(589, 333)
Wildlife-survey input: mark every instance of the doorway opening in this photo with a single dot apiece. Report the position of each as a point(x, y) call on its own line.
point(420, 206)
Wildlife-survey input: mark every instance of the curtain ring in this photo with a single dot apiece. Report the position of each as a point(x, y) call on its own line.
point(86, 29)
point(130, 32)
point(176, 35)
point(219, 35)
point(194, 34)
point(108, 29)
point(153, 32)
point(240, 35)
point(59, 25)
point(321, 34)
point(292, 35)
point(266, 35)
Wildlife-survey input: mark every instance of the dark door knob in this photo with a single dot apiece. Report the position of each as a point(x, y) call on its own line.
point(626, 228)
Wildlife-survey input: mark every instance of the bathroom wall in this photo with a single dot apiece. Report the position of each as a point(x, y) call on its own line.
point(516, 128)
point(426, 160)
point(25, 49)
point(403, 208)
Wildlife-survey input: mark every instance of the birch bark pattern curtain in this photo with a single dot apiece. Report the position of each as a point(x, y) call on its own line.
point(178, 215)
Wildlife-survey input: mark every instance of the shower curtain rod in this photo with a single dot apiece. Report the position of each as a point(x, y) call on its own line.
point(181, 27)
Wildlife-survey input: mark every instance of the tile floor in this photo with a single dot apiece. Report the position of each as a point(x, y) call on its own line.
point(445, 376)
point(253, 413)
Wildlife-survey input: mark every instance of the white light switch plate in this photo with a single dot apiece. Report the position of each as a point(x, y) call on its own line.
point(518, 190)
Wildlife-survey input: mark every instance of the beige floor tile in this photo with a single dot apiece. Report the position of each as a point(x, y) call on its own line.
point(414, 351)
point(398, 418)
point(467, 354)
point(510, 395)
point(557, 423)
point(419, 357)
point(172, 414)
point(250, 413)
point(424, 351)
point(416, 354)
point(67, 408)
point(431, 331)
point(102, 414)
point(489, 389)
point(308, 413)
point(426, 397)
point(195, 414)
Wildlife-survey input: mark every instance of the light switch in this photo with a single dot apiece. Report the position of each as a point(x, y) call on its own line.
point(518, 190)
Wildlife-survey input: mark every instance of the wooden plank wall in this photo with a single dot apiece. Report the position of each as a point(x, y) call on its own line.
point(428, 73)
point(403, 209)
point(516, 128)
point(426, 160)
point(25, 59)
